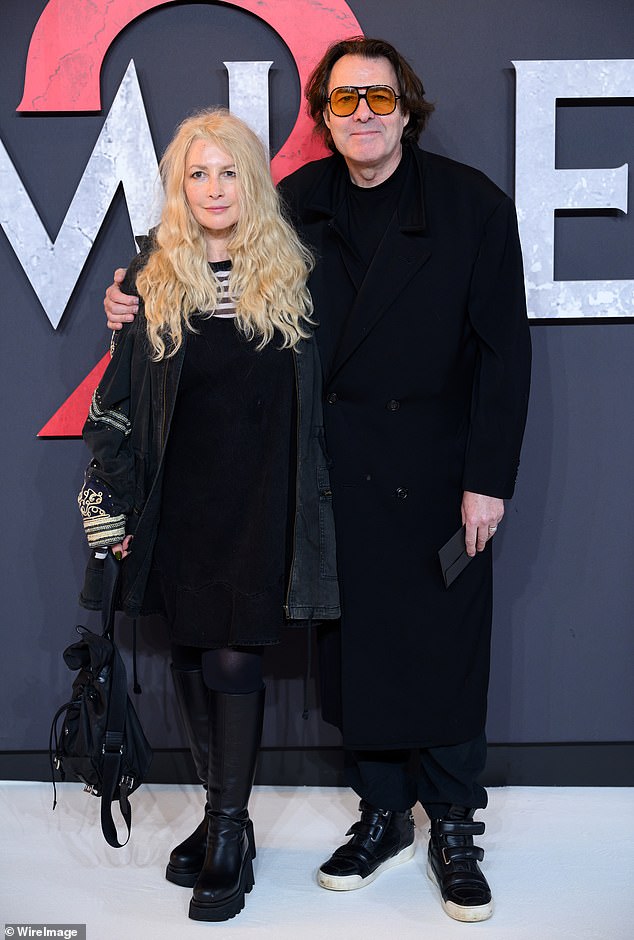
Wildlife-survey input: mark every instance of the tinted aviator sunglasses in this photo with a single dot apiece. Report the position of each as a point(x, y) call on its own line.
point(344, 100)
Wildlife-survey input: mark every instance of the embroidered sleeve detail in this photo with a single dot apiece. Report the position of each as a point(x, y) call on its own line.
point(101, 524)
point(104, 530)
point(110, 416)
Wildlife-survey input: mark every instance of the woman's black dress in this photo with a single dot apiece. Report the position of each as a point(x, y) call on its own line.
point(221, 552)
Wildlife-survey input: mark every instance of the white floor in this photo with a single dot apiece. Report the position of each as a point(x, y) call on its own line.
point(560, 862)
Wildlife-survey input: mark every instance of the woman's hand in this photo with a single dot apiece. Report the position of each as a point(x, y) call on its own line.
point(122, 549)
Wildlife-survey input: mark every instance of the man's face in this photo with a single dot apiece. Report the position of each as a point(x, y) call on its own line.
point(369, 143)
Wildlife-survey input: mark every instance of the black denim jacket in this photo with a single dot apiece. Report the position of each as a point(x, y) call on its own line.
point(126, 431)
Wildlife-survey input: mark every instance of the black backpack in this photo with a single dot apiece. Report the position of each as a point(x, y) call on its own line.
point(101, 742)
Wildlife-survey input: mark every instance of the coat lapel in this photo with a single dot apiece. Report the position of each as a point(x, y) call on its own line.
point(398, 259)
point(402, 252)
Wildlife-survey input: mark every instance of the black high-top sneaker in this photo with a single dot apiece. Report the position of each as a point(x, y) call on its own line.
point(380, 840)
point(452, 864)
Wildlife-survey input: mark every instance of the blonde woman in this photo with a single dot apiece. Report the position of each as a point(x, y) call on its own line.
point(209, 475)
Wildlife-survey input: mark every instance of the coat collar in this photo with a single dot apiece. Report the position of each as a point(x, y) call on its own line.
point(329, 191)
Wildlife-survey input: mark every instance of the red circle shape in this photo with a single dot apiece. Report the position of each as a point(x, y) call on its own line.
point(71, 39)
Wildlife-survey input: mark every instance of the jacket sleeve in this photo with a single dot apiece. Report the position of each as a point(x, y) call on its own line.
point(497, 312)
point(106, 496)
point(107, 491)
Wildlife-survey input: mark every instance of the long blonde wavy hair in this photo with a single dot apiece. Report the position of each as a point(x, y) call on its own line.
point(269, 263)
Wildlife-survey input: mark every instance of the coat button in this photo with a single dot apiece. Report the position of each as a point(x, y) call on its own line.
point(401, 492)
point(393, 405)
point(332, 398)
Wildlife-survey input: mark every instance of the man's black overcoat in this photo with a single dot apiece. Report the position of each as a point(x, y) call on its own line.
point(426, 359)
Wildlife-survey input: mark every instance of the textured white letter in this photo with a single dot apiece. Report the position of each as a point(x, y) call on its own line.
point(540, 189)
point(124, 153)
point(249, 95)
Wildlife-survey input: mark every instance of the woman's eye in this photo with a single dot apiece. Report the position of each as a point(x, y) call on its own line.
point(197, 175)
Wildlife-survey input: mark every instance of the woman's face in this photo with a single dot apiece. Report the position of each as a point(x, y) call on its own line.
point(212, 190)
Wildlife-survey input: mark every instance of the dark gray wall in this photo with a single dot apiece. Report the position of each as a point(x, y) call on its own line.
point(562, 648)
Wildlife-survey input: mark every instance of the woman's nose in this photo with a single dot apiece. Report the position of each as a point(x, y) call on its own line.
point(215, 188)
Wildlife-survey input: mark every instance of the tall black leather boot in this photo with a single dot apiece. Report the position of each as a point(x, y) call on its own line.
point(235, 731)
point(452, 865)
point(192, 698)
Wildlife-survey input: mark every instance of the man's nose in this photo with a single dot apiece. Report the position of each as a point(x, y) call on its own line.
point(363, 112)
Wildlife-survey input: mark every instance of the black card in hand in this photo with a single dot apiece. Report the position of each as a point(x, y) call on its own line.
point(453, 557)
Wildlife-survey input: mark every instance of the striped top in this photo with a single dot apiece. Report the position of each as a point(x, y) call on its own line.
point(226, 307)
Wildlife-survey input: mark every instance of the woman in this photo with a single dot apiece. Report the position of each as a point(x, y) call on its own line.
point(209, 474)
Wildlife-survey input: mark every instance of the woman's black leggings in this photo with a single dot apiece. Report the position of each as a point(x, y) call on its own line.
point(236, 670)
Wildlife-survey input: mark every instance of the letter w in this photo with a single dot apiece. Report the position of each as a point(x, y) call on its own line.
point(124, 153)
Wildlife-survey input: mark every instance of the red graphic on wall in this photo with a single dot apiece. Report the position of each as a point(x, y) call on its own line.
point(63, 69)
point(68, 420)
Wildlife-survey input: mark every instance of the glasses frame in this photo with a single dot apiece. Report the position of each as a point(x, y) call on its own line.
point(360, 95)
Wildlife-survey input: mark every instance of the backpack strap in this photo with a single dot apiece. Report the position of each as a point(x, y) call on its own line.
point(109, 599)
point(115, 726)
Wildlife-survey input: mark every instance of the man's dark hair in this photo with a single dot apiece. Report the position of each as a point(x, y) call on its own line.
point(410, 87)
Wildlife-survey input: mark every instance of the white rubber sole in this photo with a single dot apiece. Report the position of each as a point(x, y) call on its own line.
point(464, 913)
point(352, 882)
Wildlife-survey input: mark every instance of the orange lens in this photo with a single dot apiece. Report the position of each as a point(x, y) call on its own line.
point(344, 100)
point(381, 99)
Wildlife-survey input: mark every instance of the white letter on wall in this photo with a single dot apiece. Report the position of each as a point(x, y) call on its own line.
point(540, 189)
point(124, 153)
point(249, 95)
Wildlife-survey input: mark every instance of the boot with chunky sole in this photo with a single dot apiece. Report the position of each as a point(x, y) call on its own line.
point(235, 731)
point(192, 698)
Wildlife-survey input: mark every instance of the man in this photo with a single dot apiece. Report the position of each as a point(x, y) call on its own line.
point(418, 291)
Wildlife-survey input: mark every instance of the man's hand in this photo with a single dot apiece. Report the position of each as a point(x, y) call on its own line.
point(120, 308)
point(480, 516)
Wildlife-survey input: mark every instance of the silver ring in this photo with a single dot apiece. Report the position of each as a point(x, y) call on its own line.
point(493, 528)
